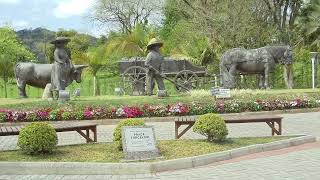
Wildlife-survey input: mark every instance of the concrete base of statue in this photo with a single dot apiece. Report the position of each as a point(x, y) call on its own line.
point(47, 93)
point(64, 95)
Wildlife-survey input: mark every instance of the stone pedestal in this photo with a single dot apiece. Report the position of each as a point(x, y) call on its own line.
point(77, 92)
point(119, 91)
point(64, 95)
point(47, 93)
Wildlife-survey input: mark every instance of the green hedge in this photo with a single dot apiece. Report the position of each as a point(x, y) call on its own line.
point(37, 138)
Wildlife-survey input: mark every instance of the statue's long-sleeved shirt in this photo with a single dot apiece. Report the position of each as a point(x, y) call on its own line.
point(155, 60)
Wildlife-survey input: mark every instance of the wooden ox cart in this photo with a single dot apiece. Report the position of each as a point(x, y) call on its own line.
point(183, 74)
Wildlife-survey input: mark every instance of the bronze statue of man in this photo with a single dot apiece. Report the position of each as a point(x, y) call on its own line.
point(154, 64)
point(62, 66)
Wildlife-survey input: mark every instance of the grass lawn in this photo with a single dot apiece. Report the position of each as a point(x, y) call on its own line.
point(108, 152)
point(200, 96)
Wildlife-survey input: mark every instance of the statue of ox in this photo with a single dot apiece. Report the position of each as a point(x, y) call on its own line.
point(39, 75)
point(260, 61)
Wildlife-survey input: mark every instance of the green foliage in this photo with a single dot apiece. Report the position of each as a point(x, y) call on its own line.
point(190, 45)
point(11, 51)
point(309, 22)
point(55, 114)
point(77, 47)
point(66, 115)
point(3, 117)
point(212, 126)
point(302, 68)
point(117, 137)
point(79, 115)
point(127, 45)
point(31, 116)
point(37, 138)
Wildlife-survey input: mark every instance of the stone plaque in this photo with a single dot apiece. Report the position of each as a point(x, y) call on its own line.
point(162, 93)
point(139, 143)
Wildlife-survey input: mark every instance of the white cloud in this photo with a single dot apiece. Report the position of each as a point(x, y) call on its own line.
point(70, 8)
point(15, 24)
point(21, 24)
point(9, 1)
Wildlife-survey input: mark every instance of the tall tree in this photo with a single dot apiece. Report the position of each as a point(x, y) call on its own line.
point(96, 60)
point(284, 14)
point(309, 22)
point(11, 51)
point(126, 14)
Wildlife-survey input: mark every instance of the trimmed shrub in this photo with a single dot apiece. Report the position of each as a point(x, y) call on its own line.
point(212, 126)
point(117, 137)
point(37, 138)
point(3, 117)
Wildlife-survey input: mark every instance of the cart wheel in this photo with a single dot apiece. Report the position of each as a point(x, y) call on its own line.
point(186, 79)
point(134, 80)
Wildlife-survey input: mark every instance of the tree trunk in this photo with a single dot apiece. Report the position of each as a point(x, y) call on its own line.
point(288, 75)
point(96, 89)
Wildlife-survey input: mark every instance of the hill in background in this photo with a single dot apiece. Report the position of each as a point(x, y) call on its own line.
point(38, 41)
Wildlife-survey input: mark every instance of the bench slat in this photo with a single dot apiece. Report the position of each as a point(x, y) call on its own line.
point(59, 127)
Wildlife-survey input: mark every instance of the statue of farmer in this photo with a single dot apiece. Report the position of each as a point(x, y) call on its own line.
point(62, 64)
point(154, 64)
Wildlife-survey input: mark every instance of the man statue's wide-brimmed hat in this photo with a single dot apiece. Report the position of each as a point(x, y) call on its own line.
point(154, 42)
point(60, 40)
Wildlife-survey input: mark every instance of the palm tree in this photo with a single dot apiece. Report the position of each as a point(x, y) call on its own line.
point(96, 62)
point(310, 22)
point(128, 45)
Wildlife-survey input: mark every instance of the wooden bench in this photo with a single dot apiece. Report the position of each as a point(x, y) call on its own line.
point(9, 130)
point(271, 120)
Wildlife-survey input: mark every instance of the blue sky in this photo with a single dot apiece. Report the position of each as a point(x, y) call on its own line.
point(50, 14)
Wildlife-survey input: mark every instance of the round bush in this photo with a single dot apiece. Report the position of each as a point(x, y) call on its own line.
point(117, 137)
point(212, 126)
point(37, 138)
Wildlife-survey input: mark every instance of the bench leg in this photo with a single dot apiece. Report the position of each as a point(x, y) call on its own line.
point(85, 135)
point(273, 128)
point(280, 127)
point(94, 130)
point(178, 135)
point(176, 130)
point(88, 134)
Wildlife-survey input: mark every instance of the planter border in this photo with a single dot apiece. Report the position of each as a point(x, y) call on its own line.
point(171, 118)
point(79, 168)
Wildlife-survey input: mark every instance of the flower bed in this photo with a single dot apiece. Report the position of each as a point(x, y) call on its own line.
point(179, 109)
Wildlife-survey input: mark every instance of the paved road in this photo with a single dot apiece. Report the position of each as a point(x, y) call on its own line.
point(298, 165)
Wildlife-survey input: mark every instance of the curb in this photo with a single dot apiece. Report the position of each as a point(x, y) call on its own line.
point(72, 168)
